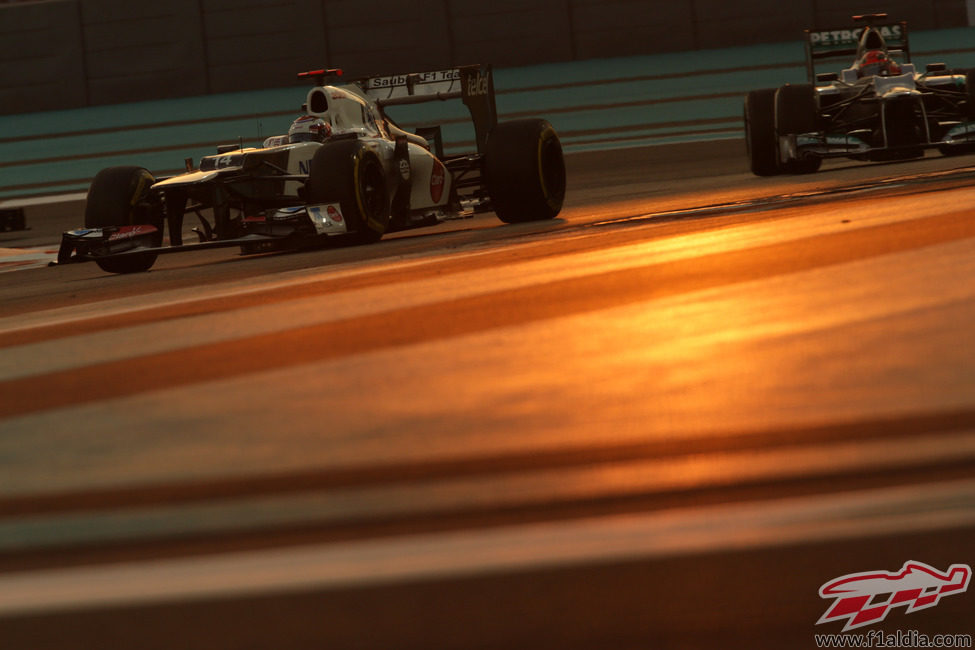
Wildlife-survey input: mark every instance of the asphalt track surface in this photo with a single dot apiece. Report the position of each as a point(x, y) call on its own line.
point(664, 419)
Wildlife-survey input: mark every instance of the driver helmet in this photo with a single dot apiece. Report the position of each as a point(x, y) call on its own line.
point(308, 128)
point(876, 62)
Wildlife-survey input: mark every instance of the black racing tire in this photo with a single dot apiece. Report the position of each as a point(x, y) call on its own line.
point(803, 166)
point(956, 149)
point(525, 171)
point(760, 140)
point(117, 197)
point(796, 109)
point(347, 172)
point(970, 95)
point(965, 148)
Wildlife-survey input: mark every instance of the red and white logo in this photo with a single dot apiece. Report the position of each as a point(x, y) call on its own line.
point(866, 598)
point(436, 181)
point(130, 232)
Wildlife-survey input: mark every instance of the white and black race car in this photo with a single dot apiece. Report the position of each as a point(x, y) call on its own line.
point(879, 108)
point(345, 170)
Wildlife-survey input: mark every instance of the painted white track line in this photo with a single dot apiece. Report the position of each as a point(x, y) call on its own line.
point(18, 259)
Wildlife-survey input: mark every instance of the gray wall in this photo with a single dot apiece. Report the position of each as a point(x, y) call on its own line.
point(41, 57)
point(72, 53)
point(141, 49)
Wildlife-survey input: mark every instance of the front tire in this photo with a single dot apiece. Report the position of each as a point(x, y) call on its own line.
point(118, 196)
point(760, 140)
point(525, 171)
point(350, 174)
point(797, 111)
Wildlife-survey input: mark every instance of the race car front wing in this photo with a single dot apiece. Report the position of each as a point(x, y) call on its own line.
point(283, 230)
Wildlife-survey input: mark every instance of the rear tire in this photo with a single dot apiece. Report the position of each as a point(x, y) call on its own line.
point(350, 174)
point(956, 149)
point(965, 148)
point(760, 140)
point(117, 197)
point(525, 171)
point(970, 95)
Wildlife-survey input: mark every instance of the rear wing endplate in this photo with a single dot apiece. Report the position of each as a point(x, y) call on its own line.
point(473, 84)
point(842, 43)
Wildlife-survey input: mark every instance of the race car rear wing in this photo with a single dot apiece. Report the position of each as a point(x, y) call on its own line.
point(473, 84)
point(842, 43)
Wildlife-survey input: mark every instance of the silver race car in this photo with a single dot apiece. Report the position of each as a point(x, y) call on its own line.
point(345, 170)
point(879, 108)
